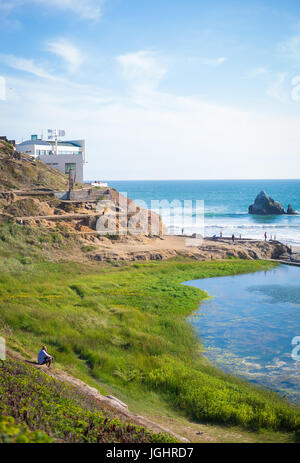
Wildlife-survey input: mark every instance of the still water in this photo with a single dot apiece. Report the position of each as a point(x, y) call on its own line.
point(248, 325)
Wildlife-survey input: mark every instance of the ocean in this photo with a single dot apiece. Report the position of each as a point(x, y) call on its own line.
point(226, 205)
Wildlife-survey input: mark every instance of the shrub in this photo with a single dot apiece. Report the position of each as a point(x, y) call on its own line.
point(52, 408)
point(88, 248)
point(19, 434)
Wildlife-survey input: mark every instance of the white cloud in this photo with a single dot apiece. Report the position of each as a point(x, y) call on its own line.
point(213, 61)
point(66, 50)
point(85, 9)
point(276, 89)
point(168, 137)
point(151, 134)
point(291, 48)
point(143, 69)
point(258, 72)
point(26, 65)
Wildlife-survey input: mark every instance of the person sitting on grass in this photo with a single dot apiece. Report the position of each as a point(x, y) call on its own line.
point(44, 358)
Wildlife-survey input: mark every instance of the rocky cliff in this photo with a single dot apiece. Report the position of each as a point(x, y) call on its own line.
point(20, 171)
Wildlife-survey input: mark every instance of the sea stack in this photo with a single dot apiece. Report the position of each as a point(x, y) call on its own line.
point(291, 211)
point(265, 205)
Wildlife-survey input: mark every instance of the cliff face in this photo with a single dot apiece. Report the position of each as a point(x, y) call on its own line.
point(19, 171)
point(34, 194)
point(29, 198)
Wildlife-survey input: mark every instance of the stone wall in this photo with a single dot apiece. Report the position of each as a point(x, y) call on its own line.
point(88, 195)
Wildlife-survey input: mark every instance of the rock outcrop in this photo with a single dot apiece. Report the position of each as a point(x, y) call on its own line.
point(154, 249)
point(265, 205)
point(291, 211)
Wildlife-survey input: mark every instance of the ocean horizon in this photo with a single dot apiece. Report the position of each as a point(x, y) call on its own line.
point(226, 205)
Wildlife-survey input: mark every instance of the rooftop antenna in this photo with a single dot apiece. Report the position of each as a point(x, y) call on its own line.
point(54, 134)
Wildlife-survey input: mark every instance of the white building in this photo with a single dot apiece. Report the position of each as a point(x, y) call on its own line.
point(62, 155)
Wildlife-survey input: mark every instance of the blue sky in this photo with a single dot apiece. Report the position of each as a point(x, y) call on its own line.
point(160, 89)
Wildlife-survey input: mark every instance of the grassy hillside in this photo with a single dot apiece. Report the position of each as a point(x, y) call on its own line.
point(123, 330)
point(37, 408)
point(12, 433)
point(20, 172)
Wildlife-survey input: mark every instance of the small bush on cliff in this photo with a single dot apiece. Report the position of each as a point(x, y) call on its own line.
point(88, 248)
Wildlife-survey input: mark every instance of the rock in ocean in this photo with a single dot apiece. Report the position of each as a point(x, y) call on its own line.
point(291, 211)
point(265, 205)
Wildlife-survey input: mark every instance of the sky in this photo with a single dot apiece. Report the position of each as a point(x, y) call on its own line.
point(160, 89)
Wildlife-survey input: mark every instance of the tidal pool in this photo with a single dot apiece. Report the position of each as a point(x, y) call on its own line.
point(248, 325)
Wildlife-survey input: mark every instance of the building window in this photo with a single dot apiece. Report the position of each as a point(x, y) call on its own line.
point(69, 166)
point(71, 153)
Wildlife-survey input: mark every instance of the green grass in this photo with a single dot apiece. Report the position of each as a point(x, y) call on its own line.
point(124, 329)
point(54, 411)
